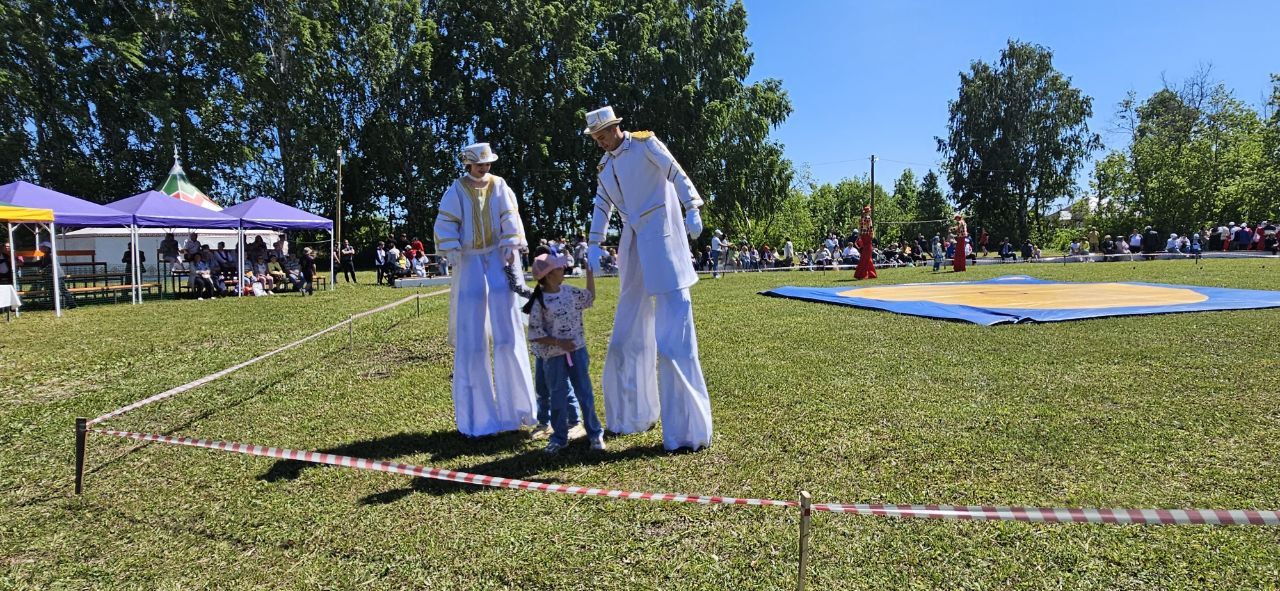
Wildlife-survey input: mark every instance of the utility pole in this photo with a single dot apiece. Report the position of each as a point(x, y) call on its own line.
point(873, 187)
point(337, 218)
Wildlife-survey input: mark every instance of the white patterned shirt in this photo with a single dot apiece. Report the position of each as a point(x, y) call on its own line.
point(559, 316)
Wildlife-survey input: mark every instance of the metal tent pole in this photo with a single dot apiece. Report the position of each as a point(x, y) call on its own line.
point(240, 257)
point(53, 252)
point(13, 267)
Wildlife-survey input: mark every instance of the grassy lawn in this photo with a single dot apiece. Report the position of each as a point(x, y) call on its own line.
point(853, 405)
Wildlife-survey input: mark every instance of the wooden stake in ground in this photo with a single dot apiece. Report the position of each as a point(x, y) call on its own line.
point(805, 515)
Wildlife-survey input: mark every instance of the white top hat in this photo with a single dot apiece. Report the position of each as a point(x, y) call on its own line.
point(479, 153)
point(600, 119)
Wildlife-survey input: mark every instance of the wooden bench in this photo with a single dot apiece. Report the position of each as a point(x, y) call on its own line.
point(115, 291)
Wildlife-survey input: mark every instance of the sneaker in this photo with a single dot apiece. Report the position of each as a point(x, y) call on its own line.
point(577, 432)
point(598, 443)
point(553, 448)
point(540, 432)
point(199, 299)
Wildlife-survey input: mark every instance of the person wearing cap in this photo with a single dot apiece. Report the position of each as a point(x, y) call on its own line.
point(717, 252)
point(652, 364)
point(479, 230)
point(559, 342)
point(866, 239)
point(308, 263)
point(962, 235)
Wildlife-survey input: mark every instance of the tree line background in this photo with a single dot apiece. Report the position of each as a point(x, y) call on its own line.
point(257, 97)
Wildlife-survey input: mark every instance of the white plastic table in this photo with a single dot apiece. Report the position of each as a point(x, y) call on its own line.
point(9, 299)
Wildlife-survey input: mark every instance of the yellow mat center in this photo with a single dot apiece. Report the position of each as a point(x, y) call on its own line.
point(1033, 296)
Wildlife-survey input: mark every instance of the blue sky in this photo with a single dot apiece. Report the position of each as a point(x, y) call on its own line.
point(875, 77)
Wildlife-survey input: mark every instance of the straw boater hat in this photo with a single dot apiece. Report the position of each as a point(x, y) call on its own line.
point(479, 153)
point(600, 119)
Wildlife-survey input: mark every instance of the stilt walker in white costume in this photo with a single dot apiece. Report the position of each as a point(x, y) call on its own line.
point(652, 361)
point(479, 230)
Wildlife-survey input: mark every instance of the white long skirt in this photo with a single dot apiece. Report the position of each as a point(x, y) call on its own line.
point(492, 385)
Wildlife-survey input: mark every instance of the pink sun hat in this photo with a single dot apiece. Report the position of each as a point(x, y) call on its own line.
point(546, 263)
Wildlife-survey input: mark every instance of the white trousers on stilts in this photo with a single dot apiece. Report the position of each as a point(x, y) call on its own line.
point(490, 394)
point(652, 366)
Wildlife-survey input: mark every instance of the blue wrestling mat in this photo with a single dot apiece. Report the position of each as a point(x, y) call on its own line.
point(1018, 298)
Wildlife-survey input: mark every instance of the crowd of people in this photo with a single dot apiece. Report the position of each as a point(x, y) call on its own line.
point(1150, 243)
point(726, 255)
point(213, 272)
point(396, 258)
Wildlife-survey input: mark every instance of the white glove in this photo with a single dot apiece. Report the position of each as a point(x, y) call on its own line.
point(594, 252)
point(693, 223)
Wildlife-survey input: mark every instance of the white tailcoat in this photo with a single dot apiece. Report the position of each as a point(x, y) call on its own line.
point(642, 181)
point(652, 369)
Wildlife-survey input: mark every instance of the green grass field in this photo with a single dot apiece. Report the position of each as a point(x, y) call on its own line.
point(853, 405)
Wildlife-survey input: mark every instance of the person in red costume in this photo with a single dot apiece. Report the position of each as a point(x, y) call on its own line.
point(866, 256)
point(961, 256)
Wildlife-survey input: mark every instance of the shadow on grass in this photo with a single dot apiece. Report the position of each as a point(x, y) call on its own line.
point(445, 445)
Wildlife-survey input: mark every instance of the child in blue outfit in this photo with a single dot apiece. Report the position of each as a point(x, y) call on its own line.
point(558, 339)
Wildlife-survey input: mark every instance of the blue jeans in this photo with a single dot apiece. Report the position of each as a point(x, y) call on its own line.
point(544, 395)
point(559, 375)
point(715, 263)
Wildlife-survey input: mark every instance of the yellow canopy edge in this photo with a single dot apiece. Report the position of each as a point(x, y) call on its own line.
point(12, 213)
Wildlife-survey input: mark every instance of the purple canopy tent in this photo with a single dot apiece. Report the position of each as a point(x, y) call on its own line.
point(67, 211)
point(154, 209)
point(268, 214)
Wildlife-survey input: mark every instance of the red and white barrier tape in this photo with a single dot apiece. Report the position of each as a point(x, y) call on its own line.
point(213, 376)
point(436, 473)
point(1060, 515)
point(956, 512)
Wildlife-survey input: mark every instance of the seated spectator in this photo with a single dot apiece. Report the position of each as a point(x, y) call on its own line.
point(262, 274)
point(202, 277)
point(1074, 249)
point(849, 256)
point(824, 258)
point(1006, 250)
point(1171, 245)
point(1108, 247)
point(293, 271)
point(1027, 249)
point(1270, 238)
point(1122, 247)
point(275, 271)
point(609, 261)
point(1193, 245)
point(416, 264)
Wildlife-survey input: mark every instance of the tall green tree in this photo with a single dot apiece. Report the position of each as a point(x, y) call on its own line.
point(932, 204)
point(1016, 136)
point(1197, 156)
